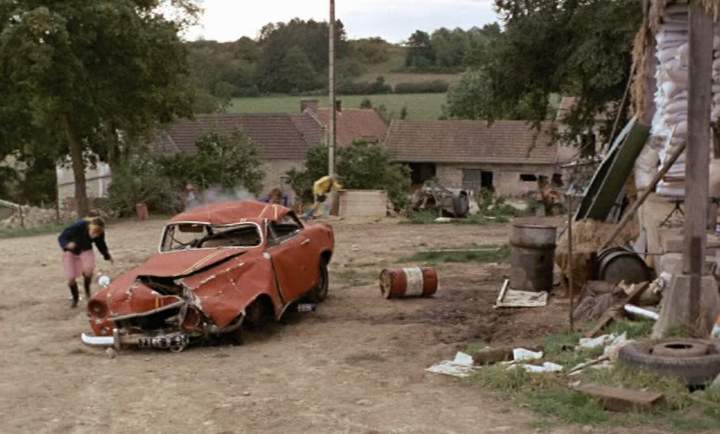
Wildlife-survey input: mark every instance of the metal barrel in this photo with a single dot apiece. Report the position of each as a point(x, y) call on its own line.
point(532, 256)
point(618, 264)
point(408, 282)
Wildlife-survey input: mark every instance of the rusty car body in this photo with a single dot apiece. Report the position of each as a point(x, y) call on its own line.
point(218, 266)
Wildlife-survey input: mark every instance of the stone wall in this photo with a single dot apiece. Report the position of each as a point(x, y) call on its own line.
point(506, 177)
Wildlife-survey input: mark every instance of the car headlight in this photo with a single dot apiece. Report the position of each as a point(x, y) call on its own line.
point(97, 308)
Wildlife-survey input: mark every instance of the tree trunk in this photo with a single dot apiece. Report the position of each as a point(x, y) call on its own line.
point(78, 166)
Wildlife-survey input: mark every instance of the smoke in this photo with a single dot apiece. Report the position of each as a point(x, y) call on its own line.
point(217, 194)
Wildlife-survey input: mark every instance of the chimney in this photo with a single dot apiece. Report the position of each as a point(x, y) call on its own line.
point(338, 105)
point(309, 104)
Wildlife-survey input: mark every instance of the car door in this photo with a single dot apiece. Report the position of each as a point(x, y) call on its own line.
point(292, 255)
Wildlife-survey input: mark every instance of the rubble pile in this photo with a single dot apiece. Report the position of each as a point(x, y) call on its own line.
point(32, 217)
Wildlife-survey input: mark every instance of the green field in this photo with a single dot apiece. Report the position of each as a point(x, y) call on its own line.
point(396, 62)
point(420, 106)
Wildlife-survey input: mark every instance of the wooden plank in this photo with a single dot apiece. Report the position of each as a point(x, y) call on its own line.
point(616, 310)
point(697, 158)
point(620, 399)
point(636, 205)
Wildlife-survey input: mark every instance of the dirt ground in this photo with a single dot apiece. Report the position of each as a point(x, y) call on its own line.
point(356, 365)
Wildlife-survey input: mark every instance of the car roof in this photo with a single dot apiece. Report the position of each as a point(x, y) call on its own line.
point(227, 213)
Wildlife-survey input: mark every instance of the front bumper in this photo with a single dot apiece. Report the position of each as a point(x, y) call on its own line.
point(175, 341)
point(97, 341)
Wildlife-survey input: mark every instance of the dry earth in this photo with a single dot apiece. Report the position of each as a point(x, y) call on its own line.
point(356, 365)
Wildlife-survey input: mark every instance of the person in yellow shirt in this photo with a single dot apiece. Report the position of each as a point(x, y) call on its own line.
point(321, 188)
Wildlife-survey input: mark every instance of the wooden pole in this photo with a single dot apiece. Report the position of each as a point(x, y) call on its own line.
point(331, 89)
point(571, 289)
point(697, 158)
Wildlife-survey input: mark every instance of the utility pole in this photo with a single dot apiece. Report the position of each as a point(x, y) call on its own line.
point(331, 88)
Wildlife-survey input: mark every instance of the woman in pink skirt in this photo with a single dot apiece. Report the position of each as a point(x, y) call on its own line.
point(76, 242)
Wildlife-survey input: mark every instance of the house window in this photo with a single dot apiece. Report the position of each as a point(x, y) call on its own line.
point(476, 179)
point(525, 177)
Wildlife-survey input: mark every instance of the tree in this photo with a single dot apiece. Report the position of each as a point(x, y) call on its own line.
point(76, 73)
point(309, 37)
point(420, 51)
point(560, 47)
point(225, 161)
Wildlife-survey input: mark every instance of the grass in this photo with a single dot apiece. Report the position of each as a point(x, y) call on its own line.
point(492, 254)
point(30, 232)
point(549, 396)
point(428, 217)
point(420, 106)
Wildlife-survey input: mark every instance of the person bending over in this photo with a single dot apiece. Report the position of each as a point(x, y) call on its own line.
point(76, 242)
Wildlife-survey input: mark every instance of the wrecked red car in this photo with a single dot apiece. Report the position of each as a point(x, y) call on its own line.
point(218, 267)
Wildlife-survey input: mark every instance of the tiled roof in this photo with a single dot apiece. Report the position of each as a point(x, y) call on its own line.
point(470, 142)
point(277, 135)
point(354, 124)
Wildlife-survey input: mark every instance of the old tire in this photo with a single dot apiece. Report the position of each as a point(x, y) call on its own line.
point(694, 370)
point(681, 348)
point(320, 292)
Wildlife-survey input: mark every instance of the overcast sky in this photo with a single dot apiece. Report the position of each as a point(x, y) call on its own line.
point(394, 20)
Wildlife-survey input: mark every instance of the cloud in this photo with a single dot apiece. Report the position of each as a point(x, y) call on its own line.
point(395, 20)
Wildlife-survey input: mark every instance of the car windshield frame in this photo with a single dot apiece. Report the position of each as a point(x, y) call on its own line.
point(209, 229)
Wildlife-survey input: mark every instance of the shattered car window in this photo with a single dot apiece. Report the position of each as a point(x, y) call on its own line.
point(199, 236)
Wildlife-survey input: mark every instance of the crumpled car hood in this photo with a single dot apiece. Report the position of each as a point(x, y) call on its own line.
point(184, 262)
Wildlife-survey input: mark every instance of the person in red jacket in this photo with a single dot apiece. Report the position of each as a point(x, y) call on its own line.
point(76, 242)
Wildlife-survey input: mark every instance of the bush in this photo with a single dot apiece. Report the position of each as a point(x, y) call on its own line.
point(362, 165)
point(434, 86)
point(139, 181)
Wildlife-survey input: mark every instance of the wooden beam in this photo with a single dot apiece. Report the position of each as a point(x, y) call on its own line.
point(698, 149)
point(620, 399)
point(617, 309)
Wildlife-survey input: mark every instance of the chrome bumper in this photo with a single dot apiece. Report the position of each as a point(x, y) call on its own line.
point(97, 341)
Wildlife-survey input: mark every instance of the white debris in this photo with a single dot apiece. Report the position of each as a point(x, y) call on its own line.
point(593, 343)
point(462, 366)
point(523, 355)
point(443, 220)
point(546, 367)
point(613, 348)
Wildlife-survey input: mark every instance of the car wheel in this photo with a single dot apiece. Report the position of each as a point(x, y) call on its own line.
point(320, 292)
point(682, 361)
point(257, 314)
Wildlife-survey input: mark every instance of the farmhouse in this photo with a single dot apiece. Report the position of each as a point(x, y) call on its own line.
point(282, 140)
point(507, 157)
point(351, 124)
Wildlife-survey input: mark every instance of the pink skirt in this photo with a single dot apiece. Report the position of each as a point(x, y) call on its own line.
point(77, 265)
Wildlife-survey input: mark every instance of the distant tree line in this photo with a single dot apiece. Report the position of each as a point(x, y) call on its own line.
point(449, 50)
point(287, 58)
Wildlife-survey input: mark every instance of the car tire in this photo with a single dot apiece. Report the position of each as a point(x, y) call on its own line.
point(257, 314)
point(694, 370)
point(320, 292)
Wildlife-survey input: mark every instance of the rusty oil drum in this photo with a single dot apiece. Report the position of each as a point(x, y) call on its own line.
point(532, 256)
point(408, 282)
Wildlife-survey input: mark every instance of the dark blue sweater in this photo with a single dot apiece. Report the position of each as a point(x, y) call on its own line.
point(79, 234)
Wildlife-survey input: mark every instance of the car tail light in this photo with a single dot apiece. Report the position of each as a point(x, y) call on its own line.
point(97, 308)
